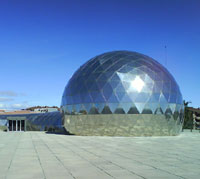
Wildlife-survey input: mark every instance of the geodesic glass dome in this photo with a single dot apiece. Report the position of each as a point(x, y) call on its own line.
point(122, 93)
point(122, 82)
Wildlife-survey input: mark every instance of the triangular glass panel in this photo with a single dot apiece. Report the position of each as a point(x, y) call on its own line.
point(112, 99)
point(126, 85)
point(163, 106)
point(168, 111)
point(101, 84)
point(78, 107)
point(178, 107)
point(83, 88)
point(158, 76)
point(133, 71)
point(142, 77)
point(163, 99)
point(120, 88)
point(125, 69)
point(172, 98)
point(102, 77)
point(107, 91)
point(94, 86)
point(134, 65)
point(120, 95)
point(140, 106)
point(113, 84)
point(148, 79)
point(113, 106)
point(166, 95)
point(73, 109)
point(76, 99)
point(93, 110)
point(119, 111)
point(153, 107)
point(106, 110)
point(179, 99)
point(158, 85)
point(126, 99)
point(146, 110)
point(94, 95)
point(87, 98)
point(172, 107)
point(154, 98)
point(176, 115)
point(133, 110)
point(108, 74)
point(87, 106)
point(99, 69)
point(158, 111)
point(147, 88)
point(133, 96)
point(69, 100)
point(174, 88)
point(142, 97)
point(121, 75)
point(70, 108)
point(115, 77)
point(99, 98)
point(106, 65)
point(99, 107)
point(126, 106)
point(166, 87)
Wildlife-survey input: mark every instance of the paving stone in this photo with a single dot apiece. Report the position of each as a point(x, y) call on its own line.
point(40, 155)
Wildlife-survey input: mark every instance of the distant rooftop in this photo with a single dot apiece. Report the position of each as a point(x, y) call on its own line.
point(17, 112)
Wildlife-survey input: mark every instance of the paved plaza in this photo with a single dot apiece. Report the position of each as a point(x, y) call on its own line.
point(39, 155)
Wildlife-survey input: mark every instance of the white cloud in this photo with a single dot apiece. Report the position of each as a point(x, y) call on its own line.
point(15, 106)
point(8, 93)
point(2, 105)
point(11, 93)
point(6, 99)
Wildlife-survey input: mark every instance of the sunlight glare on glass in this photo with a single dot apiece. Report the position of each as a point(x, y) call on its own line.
point(137, 83)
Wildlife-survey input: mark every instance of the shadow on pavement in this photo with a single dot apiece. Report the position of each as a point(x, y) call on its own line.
point(63, 131)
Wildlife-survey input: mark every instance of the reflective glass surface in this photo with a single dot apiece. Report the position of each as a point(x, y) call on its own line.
point(122, 82)
point(37, 121)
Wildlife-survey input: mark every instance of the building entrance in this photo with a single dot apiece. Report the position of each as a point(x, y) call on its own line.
point(16, 124)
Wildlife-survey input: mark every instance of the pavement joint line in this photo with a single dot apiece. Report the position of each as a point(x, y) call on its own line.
point(88, 156)
point(37, 156)
point(140, 163)
point(153, 167)
point(13, 156)
point(112, 163)
point(57, 158)
point(86, 160)
point(180, 159)
point(107, 161)
point(119, 149)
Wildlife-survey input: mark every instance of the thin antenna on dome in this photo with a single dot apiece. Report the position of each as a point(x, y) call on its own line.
point(165, 55)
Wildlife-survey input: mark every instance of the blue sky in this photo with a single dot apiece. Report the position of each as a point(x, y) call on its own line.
point(43, 42)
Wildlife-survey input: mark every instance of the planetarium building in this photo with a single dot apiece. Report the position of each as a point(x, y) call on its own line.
point(122, 93)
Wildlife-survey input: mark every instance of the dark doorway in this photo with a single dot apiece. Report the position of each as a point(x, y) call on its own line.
point(18, 125)
point(22, 125)
point(10, 125)
point(14, 125)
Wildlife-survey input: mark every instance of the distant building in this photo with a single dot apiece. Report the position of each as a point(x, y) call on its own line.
point(2, 111)
point(26, 120)
point(45, 109)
